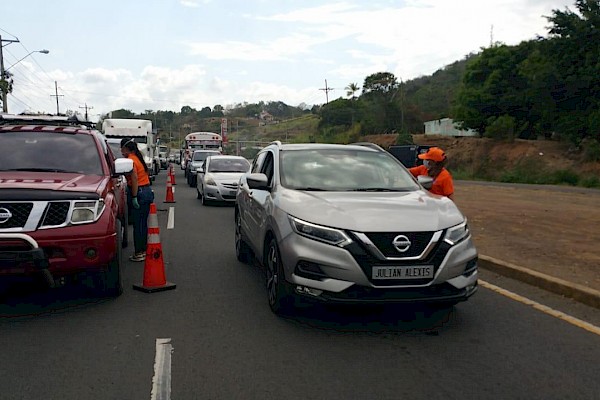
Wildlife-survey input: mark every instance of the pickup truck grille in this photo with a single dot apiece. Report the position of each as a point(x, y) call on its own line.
point(19, 214)
point(56, 213)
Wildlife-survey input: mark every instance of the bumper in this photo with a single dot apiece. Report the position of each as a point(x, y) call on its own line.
point(341, 278)
point(28, 253)
point(219, 194)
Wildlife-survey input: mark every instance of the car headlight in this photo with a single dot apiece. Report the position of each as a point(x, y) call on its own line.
point(210, 181)
point(87, 211)
point(456, 233)
point(325, 234)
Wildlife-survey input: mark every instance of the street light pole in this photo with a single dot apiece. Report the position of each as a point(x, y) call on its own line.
point(3, 72)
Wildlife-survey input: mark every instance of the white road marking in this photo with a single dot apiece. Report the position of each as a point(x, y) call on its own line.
point(545, 309)
point(161, 382)
point(171, 218)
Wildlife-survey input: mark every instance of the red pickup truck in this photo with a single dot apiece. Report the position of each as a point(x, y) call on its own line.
point(62, 212)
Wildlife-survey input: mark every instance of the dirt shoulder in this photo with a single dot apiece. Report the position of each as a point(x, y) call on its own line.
point(546, 229)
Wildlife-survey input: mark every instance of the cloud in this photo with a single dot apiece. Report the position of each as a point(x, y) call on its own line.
point(189, 3)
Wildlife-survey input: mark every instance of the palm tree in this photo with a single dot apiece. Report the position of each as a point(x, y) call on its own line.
point(351, 89)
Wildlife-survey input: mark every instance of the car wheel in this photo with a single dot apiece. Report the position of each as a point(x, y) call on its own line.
point(205, 201)
point(280, 300)
point(242, 250)
point(110, 282)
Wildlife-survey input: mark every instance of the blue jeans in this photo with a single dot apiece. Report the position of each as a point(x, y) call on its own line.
point(145, 197)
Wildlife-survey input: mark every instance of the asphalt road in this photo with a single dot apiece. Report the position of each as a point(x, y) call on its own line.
point(227, 344)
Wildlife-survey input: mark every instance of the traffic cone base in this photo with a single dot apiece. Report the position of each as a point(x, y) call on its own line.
point(152, 289)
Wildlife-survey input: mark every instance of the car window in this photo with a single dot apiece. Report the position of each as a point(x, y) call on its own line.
point(201, 155)
point(267, 167)
point(228, 165)
point(258, 161)
point(343, 170)
point(50, 151)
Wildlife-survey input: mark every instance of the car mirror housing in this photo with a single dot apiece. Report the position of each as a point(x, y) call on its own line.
point(123, 166)
point(425, 181)
point(257, 181)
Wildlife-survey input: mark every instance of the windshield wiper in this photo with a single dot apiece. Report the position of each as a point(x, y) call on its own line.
point(376, 190)
point(312, 189)
point(41, 170)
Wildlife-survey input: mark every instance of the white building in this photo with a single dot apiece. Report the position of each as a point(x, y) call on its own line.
point(446, 127)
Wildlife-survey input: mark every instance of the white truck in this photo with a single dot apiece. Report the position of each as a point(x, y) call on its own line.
point(141, 131)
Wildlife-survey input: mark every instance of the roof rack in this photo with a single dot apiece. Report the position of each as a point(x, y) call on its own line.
point(60, 120)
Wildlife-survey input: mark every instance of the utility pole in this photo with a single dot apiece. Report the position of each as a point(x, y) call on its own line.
point(57, 95)
point(327, 90)
point(3, 81)
point(86, 110)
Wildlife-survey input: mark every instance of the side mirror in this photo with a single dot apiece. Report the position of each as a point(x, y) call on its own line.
point(123, 166)
point(257, 181)
point(425, 181)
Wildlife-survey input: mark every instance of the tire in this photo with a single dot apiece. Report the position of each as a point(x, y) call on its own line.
point(278, 296)
point(242, 250)
point(109, 282)
point(205, 201)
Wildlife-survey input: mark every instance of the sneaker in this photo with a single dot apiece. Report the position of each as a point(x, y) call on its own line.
point(138, 257)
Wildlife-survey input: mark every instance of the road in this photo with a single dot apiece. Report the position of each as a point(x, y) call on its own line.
point(226, 343)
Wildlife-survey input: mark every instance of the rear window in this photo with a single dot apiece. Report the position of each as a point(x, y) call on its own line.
point(201, 156)
point(49, 152)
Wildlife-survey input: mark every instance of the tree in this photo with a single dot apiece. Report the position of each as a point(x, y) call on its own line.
point(384, 83)
point(351, 89)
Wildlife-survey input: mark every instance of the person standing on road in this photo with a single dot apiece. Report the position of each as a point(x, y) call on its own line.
point(434, 165)
point(139, 196)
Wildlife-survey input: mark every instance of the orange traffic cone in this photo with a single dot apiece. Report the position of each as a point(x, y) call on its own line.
point(173, 175)
point(169, 197)
point(154, 266)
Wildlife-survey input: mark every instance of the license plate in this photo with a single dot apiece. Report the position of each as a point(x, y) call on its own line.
point(408, 272)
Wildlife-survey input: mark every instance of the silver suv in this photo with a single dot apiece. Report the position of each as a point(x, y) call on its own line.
point(349, 224)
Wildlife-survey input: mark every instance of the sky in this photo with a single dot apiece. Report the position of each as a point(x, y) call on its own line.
point(165, 54)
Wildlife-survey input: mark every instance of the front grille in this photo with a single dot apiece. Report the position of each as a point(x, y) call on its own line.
point(362, 293)
point(56, 213)
point(20, 213)
point(367, 261)
point(383, 241)
point(231, 186)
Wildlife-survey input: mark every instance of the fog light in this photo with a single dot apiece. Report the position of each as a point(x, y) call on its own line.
point(309, 270)
point(91, 253)
point(308, 291)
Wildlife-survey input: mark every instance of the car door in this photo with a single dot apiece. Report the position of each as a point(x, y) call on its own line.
point(245, 203)
point(259, 204)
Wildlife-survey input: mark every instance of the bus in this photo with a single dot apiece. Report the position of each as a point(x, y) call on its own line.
point(200, 141)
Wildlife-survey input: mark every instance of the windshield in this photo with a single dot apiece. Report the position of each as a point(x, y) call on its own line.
point(343, 170)
point(228, 165)
point(49, 151)
point(201, 155)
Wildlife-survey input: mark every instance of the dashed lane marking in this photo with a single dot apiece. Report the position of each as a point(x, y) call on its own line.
point(545, 309)
point(161, 381)
point(171, 218)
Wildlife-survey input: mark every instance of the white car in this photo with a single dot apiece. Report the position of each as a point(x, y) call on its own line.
point(219, 176)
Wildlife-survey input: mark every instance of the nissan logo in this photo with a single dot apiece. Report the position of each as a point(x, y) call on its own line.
point(5, 215)
point(401, 243)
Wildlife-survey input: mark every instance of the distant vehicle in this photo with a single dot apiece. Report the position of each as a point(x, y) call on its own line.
point(141, 131)
point(200, 141)
point(217, 179)
point(195, 163)
point(349, 224)
point(62, 212)
point(408, 154)
point(163, 156)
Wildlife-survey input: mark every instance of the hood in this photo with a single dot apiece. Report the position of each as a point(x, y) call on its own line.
point(372, 211)
point(50, 181)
